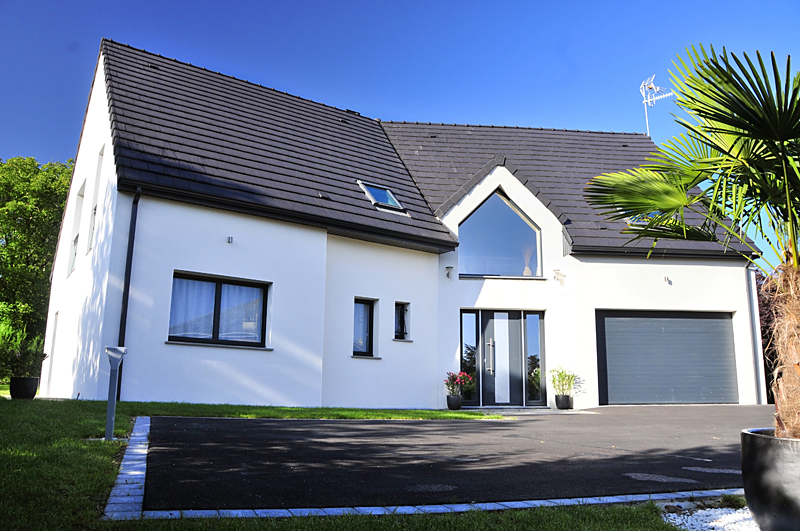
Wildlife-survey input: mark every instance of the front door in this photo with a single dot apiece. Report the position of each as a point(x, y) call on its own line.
point(492, 346)
point(502, 380)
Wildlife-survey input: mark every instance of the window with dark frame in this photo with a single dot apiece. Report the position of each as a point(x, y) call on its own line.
point(401, 320)
point(362, 327)
point(217, 311)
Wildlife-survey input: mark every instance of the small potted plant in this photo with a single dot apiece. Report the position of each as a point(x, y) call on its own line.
point(562, 381)
point(456, 383)
point(21, 359)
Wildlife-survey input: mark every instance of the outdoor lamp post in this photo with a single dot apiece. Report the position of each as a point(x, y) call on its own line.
point(115, 355)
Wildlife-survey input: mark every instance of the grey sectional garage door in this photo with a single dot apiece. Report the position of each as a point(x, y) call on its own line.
point(665, 358)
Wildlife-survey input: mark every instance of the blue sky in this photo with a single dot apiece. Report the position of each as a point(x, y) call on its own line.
point(564, 65)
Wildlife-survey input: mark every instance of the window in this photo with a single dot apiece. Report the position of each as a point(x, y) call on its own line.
point(401, 314)
point(362, 328)
point(469, 354)
point(207, 310)
point(498, 240)
point(76, 227)
point(533, 354)
point(381, 196)
point(93, 218)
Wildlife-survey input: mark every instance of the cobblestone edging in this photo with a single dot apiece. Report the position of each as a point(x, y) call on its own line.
point(125, 502)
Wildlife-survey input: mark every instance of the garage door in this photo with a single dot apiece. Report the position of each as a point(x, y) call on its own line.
point(665, 358)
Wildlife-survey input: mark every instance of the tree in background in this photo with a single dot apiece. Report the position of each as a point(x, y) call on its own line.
point(735, 170)
point(32, 199)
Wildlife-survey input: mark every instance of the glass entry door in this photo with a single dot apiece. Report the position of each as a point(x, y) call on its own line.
point(502, 358)
point(501, 351)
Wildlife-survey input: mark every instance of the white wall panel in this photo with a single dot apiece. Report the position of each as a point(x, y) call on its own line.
point(406, 375)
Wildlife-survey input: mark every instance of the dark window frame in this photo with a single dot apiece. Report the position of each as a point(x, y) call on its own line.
point(478, 398)
point(527, 220)
point(370, 352)
point(543, 370)
point(401, 321)
point(219, 281)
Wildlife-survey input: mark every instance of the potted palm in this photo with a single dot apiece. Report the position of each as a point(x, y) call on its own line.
point(21, 360)
point(456, 383)
point(736, 170)
point(562, 381)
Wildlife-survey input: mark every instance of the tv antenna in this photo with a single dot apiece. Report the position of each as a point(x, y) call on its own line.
point(651, 94)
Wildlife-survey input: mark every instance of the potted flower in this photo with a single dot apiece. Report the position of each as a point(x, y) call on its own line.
point(456, 383)
point(562, 381)
point(736, 169)
point(21, 359)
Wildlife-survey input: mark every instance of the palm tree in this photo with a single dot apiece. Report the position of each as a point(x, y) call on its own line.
point(735, 170)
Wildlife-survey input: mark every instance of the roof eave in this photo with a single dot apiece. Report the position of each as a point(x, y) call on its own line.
point(349, 230)
point(595, 250)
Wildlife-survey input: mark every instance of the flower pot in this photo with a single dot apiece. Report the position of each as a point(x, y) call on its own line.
point(23, 387)
point(563, 401)
point(771, 477)
point(454, 401)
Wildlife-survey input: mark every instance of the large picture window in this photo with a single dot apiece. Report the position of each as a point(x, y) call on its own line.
point(207, 310)
point(498, 240)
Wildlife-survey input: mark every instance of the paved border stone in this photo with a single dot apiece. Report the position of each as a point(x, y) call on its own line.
point(127, 495)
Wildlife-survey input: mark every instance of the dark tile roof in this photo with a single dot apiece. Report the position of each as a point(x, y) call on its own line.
point(446, 161)
point(190, 134)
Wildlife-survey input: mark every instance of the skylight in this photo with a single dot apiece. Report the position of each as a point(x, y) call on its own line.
point(380, 196)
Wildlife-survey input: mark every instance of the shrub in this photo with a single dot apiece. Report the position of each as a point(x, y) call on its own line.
point(19, 355)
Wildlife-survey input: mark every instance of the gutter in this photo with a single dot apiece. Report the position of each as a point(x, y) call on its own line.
point(755, 331)
point(123, 316)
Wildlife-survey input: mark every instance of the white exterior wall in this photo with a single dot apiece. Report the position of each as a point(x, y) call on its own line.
point(406, 375)
point(589, 284)
point(173, 237)
point(74, 347)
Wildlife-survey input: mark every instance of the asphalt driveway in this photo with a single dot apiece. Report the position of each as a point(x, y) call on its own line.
point(204, 463)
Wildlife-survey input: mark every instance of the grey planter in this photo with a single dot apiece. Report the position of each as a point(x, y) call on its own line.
point(454, 401)
point(564, 401)
point(771, 476)
point(23, 387)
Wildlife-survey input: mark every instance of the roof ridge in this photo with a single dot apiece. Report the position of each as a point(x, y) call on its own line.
point(105, 41)
point(517, 127)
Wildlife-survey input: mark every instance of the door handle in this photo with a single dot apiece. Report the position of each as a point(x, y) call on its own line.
point(490, 357)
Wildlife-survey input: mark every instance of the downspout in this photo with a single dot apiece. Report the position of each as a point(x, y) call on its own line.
point(123, 316)
point(755, 332)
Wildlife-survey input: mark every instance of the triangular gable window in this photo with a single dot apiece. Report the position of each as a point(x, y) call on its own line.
point(497, 239)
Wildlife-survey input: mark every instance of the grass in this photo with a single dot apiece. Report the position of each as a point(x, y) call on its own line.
point(54, 476)
point(731, 501)
point(4, 389)
point(644, 518)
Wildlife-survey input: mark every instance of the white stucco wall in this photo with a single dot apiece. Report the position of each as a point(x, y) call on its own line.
point(406, 375)
point(585, 285)
point(173, 236)
point(74, 346)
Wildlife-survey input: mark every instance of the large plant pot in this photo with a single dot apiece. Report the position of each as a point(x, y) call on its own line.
point(771, 476)
point(23, 387)
point(563, 401)
point(454, 401)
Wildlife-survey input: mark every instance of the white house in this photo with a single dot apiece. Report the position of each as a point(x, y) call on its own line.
point(252, 247)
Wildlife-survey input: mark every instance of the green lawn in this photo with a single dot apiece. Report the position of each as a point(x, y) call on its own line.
point(52, 476)
point(4, 389)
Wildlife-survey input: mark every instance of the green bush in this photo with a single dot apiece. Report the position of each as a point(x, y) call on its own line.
point(19, 355)
point(562, 380)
